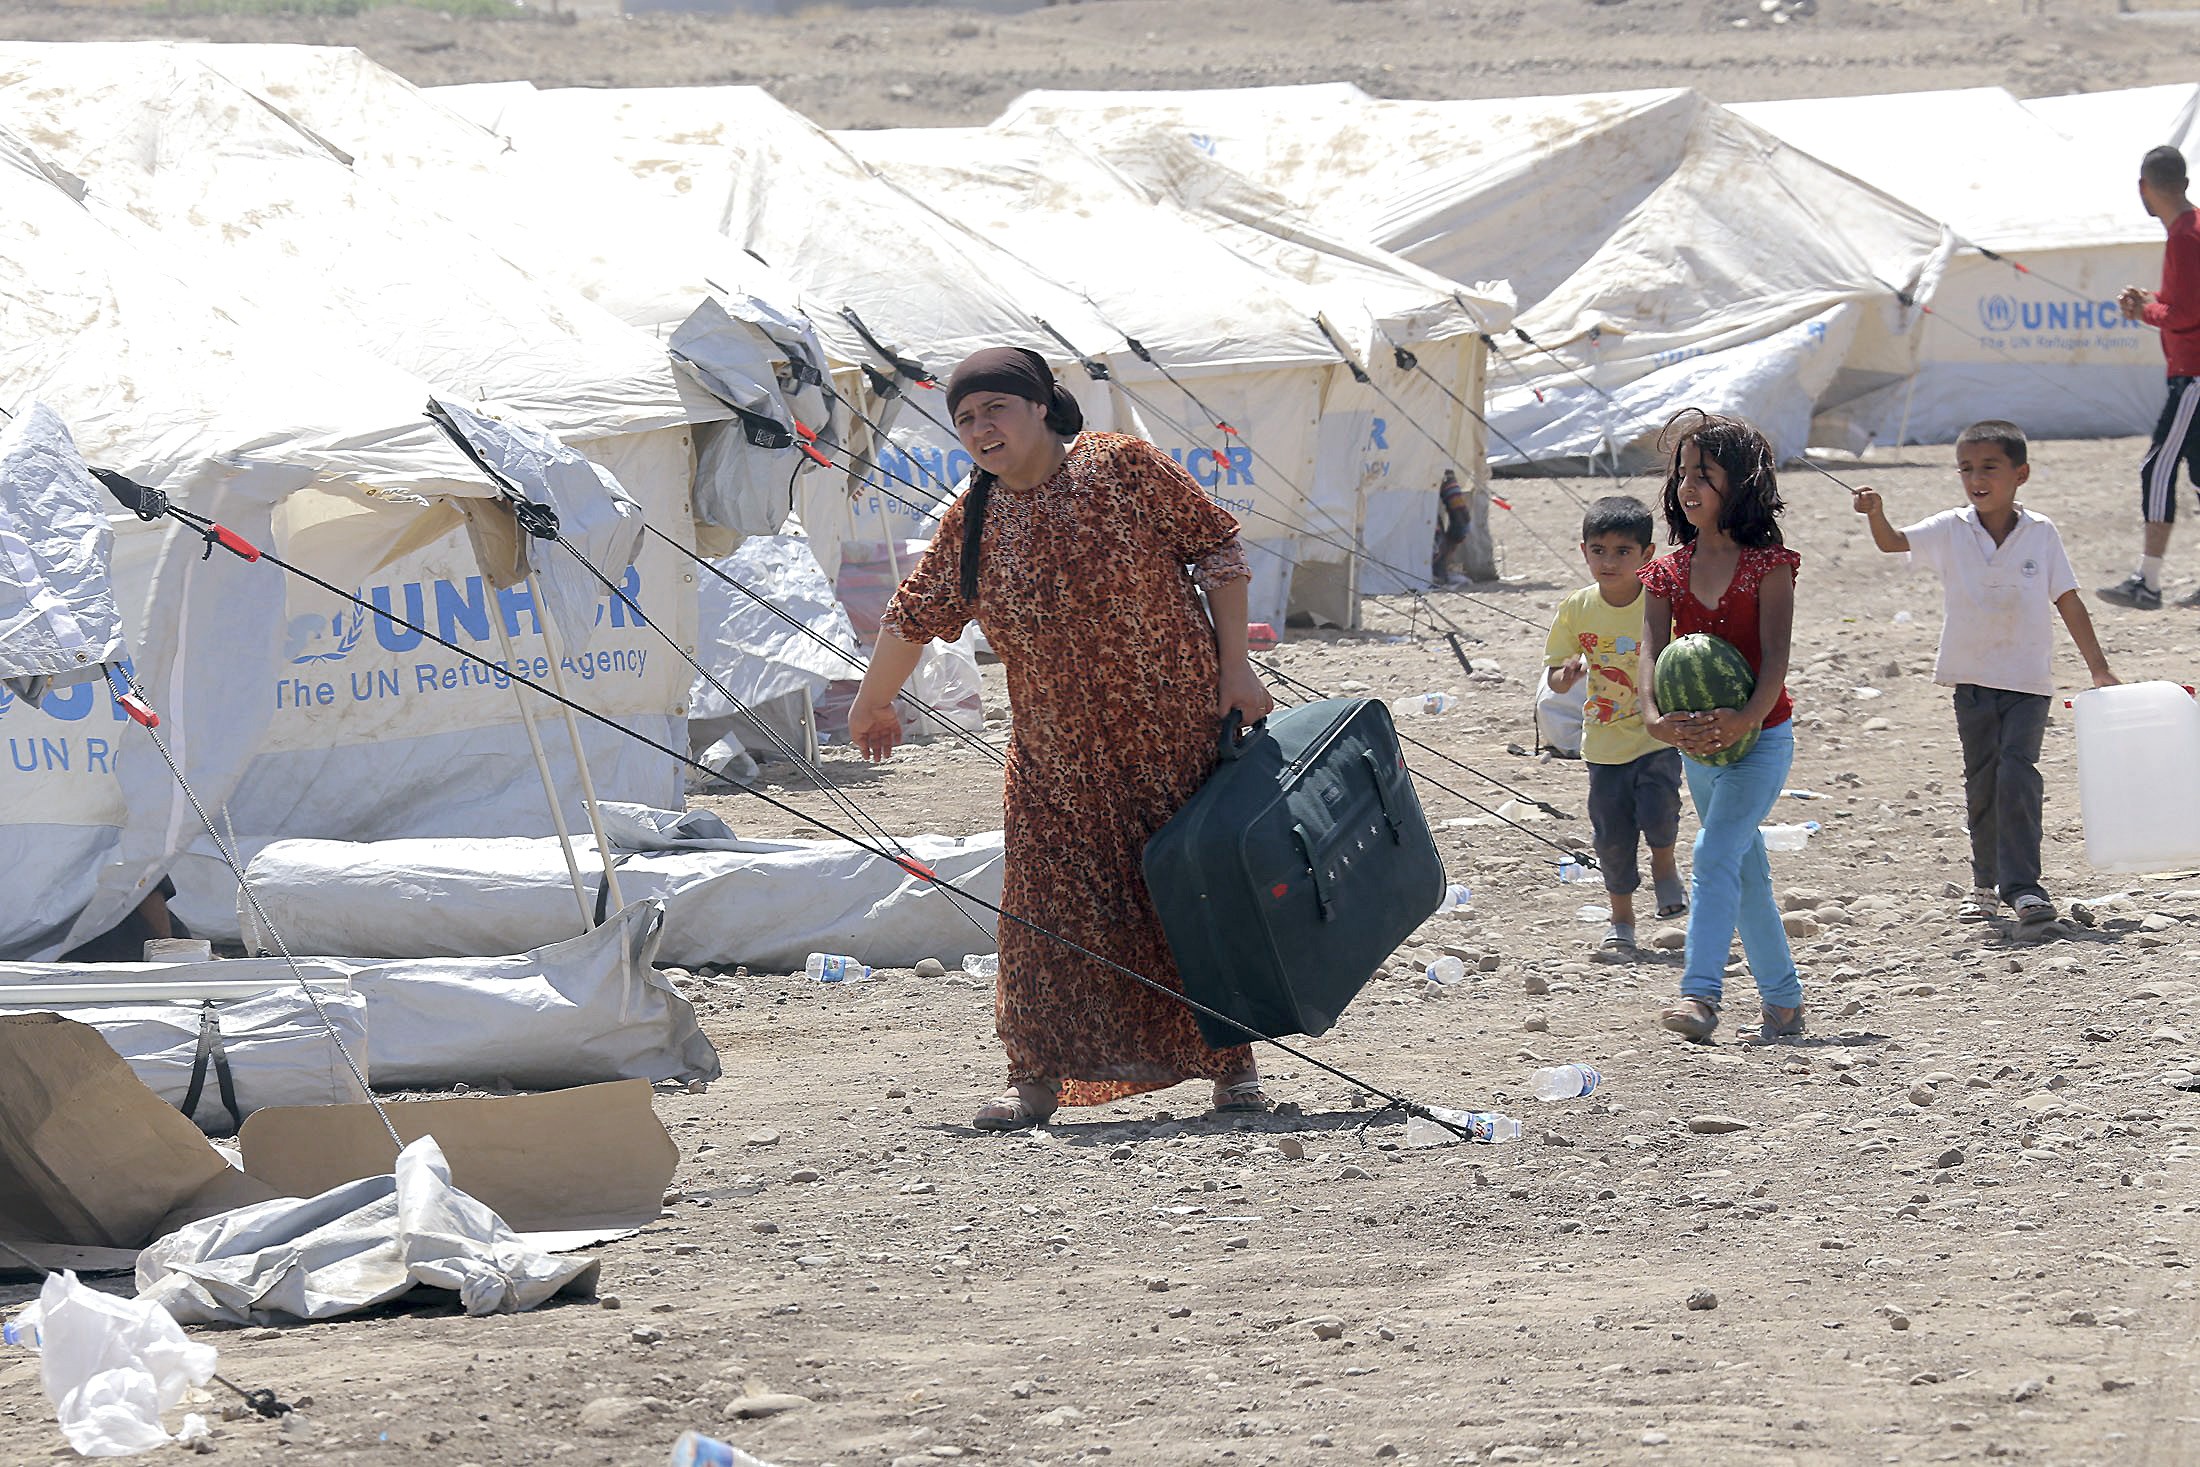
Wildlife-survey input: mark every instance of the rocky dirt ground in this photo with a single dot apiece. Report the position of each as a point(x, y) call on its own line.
point(1954, 1223)
point(910, 65)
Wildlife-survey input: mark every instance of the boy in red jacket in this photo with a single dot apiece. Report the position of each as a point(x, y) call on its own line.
point(2175, 311)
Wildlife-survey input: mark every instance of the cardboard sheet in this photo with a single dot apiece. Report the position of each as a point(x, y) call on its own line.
point(89, 1155)
point(586, 1159)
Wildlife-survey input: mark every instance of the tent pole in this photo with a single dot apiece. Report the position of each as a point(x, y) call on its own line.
point(542, 767)
point(1917, 366)
point(580, 757)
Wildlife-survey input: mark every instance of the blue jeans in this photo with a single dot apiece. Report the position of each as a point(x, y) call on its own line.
point(1730, 880)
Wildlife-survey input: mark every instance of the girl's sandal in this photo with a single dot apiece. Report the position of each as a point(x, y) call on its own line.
point(1017, 1110)
point(1692, 1018)
point(1242, 1098)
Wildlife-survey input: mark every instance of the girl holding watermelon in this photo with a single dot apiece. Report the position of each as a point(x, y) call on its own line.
point(1718, 618)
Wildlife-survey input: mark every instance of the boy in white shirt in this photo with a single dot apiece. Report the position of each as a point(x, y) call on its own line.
point(2002, 568)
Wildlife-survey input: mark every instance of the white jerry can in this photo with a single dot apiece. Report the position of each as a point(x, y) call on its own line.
point(2139, 777)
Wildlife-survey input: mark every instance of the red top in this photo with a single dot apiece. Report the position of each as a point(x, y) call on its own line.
point(1734, 619)
point(2176, 307)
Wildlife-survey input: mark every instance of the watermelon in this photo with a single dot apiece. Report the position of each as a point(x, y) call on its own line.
point(1700, 672)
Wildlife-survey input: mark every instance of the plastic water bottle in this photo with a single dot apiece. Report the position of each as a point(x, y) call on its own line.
point(835, 968)
point(694, 1449)
point(1446, 971)
point(1572, 870)
point(1457, 898)
point(982, 965)
point(1563, 1082)
point(22, 1334)
point(1424, 704)
point(1788, 837)
point(1482, 1126)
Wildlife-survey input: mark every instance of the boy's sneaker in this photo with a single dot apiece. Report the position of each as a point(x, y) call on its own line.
point(2189, 599)
point(2034, 909)
point(2134, 592)
point(1982, 905)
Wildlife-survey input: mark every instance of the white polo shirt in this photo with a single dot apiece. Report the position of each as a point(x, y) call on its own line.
point(1997, 601)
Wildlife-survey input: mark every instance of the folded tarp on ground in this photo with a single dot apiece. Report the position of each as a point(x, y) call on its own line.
point(767, 904)
point(571, 1013)
point(350, 1248)
point(230, 1038)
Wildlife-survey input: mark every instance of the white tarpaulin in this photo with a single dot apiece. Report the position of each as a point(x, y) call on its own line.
point(1580, 203)
point(768, 904)
point(276, 1045)
point(578, 1012)
point(777, 637)
point(58, 621)
point(2043, 346)
point(350, 1248)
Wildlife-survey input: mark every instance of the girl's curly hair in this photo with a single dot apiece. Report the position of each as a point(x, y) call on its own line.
point(1751, 511)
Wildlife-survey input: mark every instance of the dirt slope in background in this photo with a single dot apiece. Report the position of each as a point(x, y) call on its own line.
point(929, 65)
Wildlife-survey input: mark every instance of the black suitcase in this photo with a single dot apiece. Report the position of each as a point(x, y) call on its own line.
point(1296, 870)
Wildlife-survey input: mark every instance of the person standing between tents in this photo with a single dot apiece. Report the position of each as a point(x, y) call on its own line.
point(1079, 554)
point(2175, 311)
point(1454, 521)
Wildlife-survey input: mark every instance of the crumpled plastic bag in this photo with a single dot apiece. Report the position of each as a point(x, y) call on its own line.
point(356, 1245)
point(112, 1366)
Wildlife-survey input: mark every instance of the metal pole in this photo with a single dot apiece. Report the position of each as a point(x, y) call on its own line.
point(573, 732)
point(542, 764)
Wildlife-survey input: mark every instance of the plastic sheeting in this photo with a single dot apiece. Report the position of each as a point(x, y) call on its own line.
point(568, 1013)
point(278, 1047)
point(754, 652)
point(350, 1248)
point(58, 619)
point(112, 1366)
point(766, 904)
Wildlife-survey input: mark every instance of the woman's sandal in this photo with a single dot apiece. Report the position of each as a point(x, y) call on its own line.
point(1692, 1018)
point(1018, 1110)
point(1242, 1098)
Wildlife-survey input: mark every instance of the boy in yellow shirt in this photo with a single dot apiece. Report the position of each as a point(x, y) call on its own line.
point(1634, 780)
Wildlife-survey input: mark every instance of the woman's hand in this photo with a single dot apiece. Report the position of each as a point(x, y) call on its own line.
point(1242, 690)
point(874, 727)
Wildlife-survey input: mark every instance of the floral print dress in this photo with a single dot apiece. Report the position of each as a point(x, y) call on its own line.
point(1086, 593)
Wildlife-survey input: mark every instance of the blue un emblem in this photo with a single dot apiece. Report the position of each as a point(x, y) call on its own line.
point(1997, 312)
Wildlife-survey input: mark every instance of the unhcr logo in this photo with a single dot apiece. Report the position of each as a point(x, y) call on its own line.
point(1997, 313)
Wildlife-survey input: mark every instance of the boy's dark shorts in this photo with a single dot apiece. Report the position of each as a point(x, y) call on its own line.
point(1633, 804)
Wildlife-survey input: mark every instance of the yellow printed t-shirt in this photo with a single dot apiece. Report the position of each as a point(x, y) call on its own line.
point(1610, 637)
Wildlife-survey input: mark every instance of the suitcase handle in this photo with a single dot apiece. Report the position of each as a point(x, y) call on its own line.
point(1382, 796)
point(1235, 736)
point(1322, 895)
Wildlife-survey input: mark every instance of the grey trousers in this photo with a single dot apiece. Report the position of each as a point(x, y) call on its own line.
point(2001, 733)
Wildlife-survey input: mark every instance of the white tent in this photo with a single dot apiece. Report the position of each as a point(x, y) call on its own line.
point(1249, 340)
point(729, 318)
point(2114, 129)
point(368, 721)
point(234, 415)
point(2024, 323)
point(928, 288)
point(1784, 303)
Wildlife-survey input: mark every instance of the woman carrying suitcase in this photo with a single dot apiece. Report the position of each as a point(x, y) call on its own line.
point(1078, 553)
